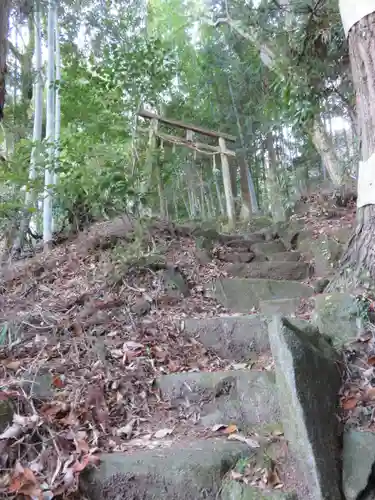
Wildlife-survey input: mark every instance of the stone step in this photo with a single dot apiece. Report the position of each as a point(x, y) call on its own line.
point(243, 397)
point(186, 471)
point(242, 295)
point(285, 256)
point(268, 247)
point(273, 270)
point(236, 338)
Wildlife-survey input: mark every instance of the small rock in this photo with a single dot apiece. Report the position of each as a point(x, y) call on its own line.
point(326, 253)
point(304, 239)
point(175, 283)
point(39, 385)
point(320, 285)
point(358, 457)
point(203, 256)
point(141, 307)
point(289, 232)
point(336, 315)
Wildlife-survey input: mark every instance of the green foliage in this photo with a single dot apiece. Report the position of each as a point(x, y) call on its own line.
point(166, 56)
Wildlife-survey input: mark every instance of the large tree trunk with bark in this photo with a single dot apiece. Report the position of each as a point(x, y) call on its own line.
point(358, 263)
point(4, 27)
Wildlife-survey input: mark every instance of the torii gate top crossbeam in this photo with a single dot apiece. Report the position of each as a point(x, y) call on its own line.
point(185, 126)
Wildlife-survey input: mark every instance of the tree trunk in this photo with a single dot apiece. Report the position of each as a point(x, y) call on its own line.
point(275, 196)
point(358, 263)
point(31, 194)
point(247, 187)
point(4, 27)
point(50, 129)
point(246, 207)
point(325, 148)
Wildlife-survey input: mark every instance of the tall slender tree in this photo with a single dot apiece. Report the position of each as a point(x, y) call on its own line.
point(50, 127)
point(31, 194)
point(4, 28)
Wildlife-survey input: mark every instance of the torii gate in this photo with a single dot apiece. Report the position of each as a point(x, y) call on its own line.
point(189, 142)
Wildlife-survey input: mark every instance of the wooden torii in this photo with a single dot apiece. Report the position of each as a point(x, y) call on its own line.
point(189, 142)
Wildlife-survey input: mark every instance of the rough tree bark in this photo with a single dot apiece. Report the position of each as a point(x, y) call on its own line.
point(358, 263)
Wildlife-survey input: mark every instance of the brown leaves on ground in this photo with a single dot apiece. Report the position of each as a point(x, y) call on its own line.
point(78, 367)
point(358, 392)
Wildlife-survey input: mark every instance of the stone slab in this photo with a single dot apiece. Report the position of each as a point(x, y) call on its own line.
point(186, 471)
point(244, 397)
point(273, 270)
point(308, 380)
point(283, 307)
point(336, 315)
point(268, 247)
point(358, 457)
point(236, 338)
point(242, 295)
point(285, 256)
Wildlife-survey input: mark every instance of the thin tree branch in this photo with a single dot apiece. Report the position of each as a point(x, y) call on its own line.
point(266, 54)
point(17, 54)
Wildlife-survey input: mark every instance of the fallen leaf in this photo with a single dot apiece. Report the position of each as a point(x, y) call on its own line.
point(24, 482)
point(349, 403)
point(235, 475)
point(13, 365)
point(230, 429)
point(370, 394)
point(162, 433)
point(252, 443)
point(273, 478)
point(14, 431)
point(58, 381)
point(15, 485)
point(371, 360)
point(132, 346)
point(218, 427)
point(79, 466)
point(368, 373)
point(5, 395)
point(82, 446)
point(239, 366)
point(127, 429)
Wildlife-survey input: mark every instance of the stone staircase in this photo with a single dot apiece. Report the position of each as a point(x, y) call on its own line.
point(255, 461)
